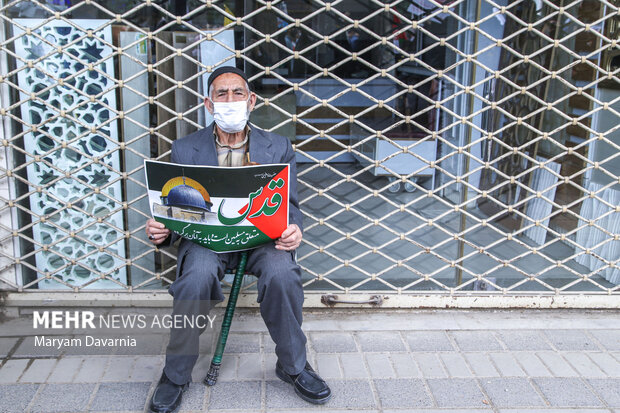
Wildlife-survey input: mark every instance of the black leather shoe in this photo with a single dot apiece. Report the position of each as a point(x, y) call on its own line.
point(167, 396)
point(307, 384)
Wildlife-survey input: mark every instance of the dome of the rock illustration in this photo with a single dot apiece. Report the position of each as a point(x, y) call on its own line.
point(186, 193)
point(186, 197)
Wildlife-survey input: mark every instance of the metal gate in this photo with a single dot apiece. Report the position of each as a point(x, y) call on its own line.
point(450, 153)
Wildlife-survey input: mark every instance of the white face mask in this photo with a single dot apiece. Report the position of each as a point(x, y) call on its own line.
point(231, 117)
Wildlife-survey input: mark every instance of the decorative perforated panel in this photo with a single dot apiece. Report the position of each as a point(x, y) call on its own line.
point(70, 142)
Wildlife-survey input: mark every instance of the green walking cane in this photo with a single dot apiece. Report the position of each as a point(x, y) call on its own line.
point(216, 362)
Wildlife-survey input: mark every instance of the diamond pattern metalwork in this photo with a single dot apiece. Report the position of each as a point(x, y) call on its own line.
point(518, 101)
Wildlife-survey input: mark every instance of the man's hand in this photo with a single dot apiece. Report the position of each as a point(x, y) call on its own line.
point(290, 238)
point(156, 231)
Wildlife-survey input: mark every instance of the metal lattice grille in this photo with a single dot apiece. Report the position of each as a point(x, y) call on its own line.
point(443, 146)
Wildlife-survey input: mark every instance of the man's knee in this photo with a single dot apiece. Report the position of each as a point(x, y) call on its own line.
point(284, 279)
point(197, 276)
point(281, 275)
point(195, 285)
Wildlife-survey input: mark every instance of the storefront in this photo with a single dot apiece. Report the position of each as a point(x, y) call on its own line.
point(450, 153)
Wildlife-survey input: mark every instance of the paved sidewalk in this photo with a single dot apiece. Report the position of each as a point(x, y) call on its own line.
point(375, 361)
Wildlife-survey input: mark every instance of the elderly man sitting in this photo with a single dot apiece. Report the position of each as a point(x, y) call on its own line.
point(231, 141)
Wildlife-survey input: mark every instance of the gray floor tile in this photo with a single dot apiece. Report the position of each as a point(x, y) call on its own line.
point(236, 411)
point(251, 367)
point(228, 368)
point(236, 395)
point(524, 340)
point(380, 341)
point(556, 364)
point(403, 393)
point(346, 394)
point(28, 349)
point(607, 363)
point(380, 365)
point(353, 366)
point(429, 341)
point(91, 370)
point(532, 365)
point(425, 410)
point(511, 392)
point(243, 343)
point(506, 364)
point(16, 397)
point(351, 394)
point(571, 340)
point(194, 397)
point(476, 340)
point(327, 410)
point(455, 365)
point(566, 392)
point(65, 370)
point(333, 342)
point(118, 369)
point(430, 364)
point(146, 345)
point(552, 410)
point(121, 396)
point(38, 371)
point(280, 395)
point(6, 344)
point(270, 363)
point(456, 393)
point(327, 365)
point(268, 344)
point(63, 398)
point(610, 339)
point(584, 365)
point(608, 390)
point(147, 368)
point(481, 365)
point(404, 365)
point(12, 370)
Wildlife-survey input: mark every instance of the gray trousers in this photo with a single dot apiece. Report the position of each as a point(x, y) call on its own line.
point(197, 289)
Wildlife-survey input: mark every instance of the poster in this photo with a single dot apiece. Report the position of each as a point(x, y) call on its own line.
point(223, 209)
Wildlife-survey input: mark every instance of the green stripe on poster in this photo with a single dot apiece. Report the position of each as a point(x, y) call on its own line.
point(218, 238)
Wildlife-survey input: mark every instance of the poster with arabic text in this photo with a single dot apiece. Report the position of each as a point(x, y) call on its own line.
point(223, 209)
